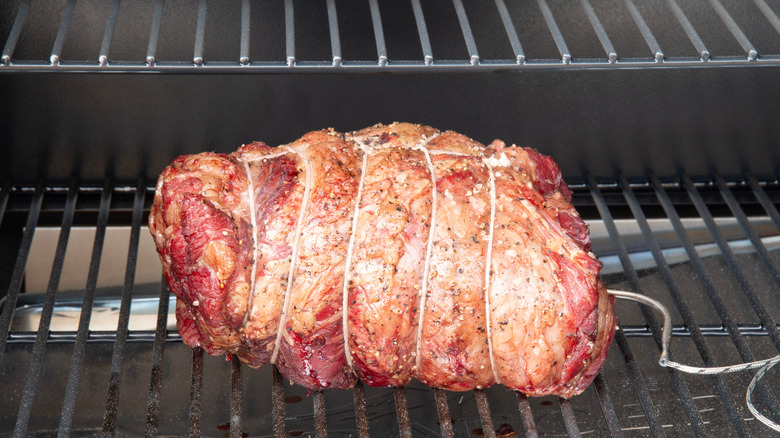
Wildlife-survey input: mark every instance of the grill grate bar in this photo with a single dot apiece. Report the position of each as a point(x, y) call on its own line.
point(511, 32)
point(108, 35)
point(606, 43)
point(155, 382)
point(696, 40)
point(154, 34)
point(443, 409)
point(333, 25)
point(236, 428)
point(644, 29)
point(200, 34)
point(762, 197)
point(769, 14)
point(62, 32)
point(289, 32)
point(735, 208)
point(195, 389)
point(277, 397)
point(359, 397)
point(606, 406)
point(18, 273)
point(379, 34)
point(528, 416)
point(243, 51)
point(112, 400)
point(651, 415)
point(733, 27)
point(363, 67)
point(16, 30)
point(34, 370)
point(736, 337)
point(484, 414)
point(320, 415)
point(465, 28)
point(755, 300)
point(690, 323)
point(569, 419)
point(77, 359)
point(677, 380)
point(422, 30)
point(4, 195)
point(555, 22)
point(401, 411)
point(563, 49)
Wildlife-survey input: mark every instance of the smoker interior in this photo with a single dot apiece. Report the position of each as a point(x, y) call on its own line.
point(661, 114)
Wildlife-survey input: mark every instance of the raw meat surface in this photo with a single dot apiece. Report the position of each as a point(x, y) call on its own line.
point(388, 254)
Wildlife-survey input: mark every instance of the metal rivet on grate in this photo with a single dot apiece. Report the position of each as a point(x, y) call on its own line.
point(379, 34)
point(154, 34)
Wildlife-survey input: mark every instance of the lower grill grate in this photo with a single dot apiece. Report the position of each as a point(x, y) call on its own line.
point(719, 273)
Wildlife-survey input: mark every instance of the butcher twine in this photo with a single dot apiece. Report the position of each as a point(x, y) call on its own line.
point(348, 260)
point(429, 250)
point(422, 146)
point(253, 216)
point(294, 257)
point(761, 365)
point(488, 268)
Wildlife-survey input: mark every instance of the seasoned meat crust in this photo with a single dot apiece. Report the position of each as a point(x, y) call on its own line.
point(388, 254)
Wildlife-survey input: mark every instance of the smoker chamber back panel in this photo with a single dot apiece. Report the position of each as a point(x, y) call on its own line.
point(662, 113)
point(601, 123)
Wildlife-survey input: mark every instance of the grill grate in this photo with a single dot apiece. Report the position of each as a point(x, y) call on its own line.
point(632, 396)
point(745, 22)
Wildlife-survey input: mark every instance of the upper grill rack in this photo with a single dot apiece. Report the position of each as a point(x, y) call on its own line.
point(629, 380)
point(493, 35)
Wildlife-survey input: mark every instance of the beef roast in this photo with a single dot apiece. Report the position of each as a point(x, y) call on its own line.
point(387, 254)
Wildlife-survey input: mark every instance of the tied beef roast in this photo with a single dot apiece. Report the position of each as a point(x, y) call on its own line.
point(387, 254)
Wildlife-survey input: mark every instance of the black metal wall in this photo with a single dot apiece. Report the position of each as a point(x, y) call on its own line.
point(592, 122)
